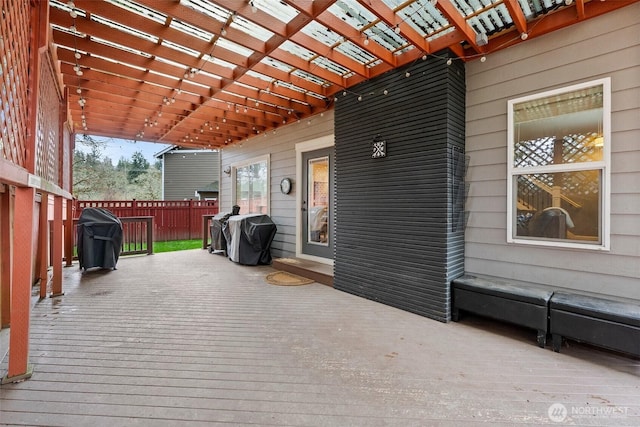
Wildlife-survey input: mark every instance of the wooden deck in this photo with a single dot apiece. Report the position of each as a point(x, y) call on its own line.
point(191, 338)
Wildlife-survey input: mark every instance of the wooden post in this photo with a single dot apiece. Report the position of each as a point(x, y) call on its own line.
point(6, 251)
point(150, 235)
point(56, 289)
point(69, 233)
point(42, 263)
point(22, 279)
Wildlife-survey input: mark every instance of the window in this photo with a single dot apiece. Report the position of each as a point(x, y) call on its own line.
point(251, 185)
point(558, 167)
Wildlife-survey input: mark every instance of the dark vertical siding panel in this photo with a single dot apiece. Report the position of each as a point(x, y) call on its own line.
point(398, 240)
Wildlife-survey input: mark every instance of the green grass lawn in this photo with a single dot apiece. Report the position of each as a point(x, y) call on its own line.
point(176, 245)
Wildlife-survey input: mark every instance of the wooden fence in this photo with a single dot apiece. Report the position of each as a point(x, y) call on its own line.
point(172, 220)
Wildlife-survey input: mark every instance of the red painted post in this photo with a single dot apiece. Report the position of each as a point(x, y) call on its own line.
point(6, 236)
point(69, 233)
point(56, 289)
point(42, 263)
point(22, 280)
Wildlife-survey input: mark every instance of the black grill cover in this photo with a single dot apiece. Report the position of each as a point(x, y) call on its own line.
point(218, 243)
point(249, 238)
point(99, 238)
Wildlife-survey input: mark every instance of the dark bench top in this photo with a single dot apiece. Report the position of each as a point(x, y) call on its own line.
point(505, 288)
point(616, 311)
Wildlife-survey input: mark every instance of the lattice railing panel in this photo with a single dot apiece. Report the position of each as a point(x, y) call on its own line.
point(47, 129)
point(67, 157)
point(14, 76)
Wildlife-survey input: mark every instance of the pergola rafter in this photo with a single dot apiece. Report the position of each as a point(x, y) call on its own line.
point(227, 70)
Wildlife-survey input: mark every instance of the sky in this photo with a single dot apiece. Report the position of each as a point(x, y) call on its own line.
point(116, 148)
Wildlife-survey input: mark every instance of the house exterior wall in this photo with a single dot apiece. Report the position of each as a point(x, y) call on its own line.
point(185, 171)
point(607, 46)
point(280, 146)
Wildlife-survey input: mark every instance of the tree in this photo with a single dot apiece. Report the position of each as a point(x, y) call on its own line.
point(147, 186)
point(90, 172)
point(139, 166)
point(95, 177)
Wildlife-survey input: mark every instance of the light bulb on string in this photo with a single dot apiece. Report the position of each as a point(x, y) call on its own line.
point(449, 61)
point(483, 59)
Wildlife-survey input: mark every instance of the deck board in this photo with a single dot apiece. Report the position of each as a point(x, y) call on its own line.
point(193, 339)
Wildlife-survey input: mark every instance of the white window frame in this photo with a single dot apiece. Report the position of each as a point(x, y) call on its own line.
point(234, 178)
point(604, 166)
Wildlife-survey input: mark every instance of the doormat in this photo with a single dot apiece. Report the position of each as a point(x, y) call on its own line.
point(284, 278)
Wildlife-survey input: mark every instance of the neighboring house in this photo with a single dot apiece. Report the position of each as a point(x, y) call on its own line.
point(406, 223)
point(189, 174)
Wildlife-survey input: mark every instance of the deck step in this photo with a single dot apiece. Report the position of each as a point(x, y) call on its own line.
point(321, 273)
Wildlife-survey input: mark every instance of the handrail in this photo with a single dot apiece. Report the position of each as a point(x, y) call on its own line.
point(138, 244)
point(137, 235)
point(545, 187)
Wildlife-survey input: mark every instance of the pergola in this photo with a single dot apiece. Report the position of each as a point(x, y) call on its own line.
point(207, 73)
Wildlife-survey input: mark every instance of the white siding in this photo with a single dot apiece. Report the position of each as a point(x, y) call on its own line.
point(281, 148)
point(607, 46)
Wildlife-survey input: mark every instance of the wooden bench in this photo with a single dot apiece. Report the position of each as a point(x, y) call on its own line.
point(522, 303)
point(602, 322)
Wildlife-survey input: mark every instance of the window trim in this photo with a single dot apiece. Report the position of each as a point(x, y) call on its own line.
point(234, 178)
point(603, 165)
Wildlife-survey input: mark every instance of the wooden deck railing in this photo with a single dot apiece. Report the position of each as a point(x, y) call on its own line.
point(172, 219)
point(137, 235)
